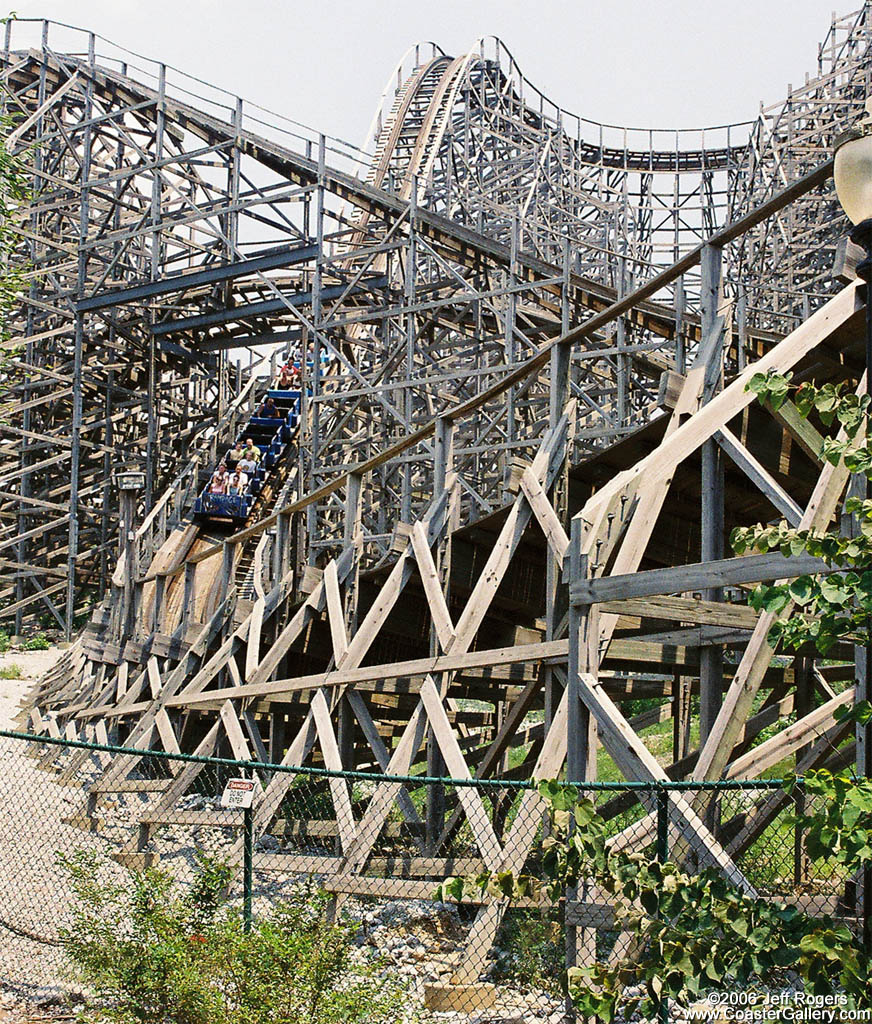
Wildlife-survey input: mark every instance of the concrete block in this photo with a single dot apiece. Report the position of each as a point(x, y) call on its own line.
point(443, 997)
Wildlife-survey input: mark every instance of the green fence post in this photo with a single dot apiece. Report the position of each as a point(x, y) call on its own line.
point(662, 855)
point(247, 868)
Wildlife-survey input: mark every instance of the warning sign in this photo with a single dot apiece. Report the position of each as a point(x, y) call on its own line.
point(238, 793)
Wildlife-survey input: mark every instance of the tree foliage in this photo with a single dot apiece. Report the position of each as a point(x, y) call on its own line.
point(14, 195)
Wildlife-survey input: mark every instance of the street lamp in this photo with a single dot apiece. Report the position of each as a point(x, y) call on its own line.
point(852, 171)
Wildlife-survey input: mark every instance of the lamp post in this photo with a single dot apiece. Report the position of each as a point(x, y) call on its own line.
point(852, 171)
point(129, 484)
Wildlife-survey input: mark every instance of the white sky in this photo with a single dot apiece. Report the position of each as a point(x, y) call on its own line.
point(659, 64)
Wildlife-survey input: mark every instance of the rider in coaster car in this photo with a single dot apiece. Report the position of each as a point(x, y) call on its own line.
point(219, 481)
point(251, 452)
point(269, 409)
point(246, 467)
point(234, 455)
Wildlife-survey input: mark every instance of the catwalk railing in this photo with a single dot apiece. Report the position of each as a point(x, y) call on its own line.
point(57, 37)
point(65, 856)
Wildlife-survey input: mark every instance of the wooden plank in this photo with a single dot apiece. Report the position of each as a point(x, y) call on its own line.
point(823, 752)
point(805, 435)
point(154, 680)
point(121, 684)
point(238, 742)
point(335, 614)
point(470, 799)
point(432, 588)
point(768, 753)
point(724, 572)
point(685, 609)
point(590, 915)
point(487, 658)
point(255, 626)
point(333, 761)
point(545, 515)
point(167, 734)
point(759, 476)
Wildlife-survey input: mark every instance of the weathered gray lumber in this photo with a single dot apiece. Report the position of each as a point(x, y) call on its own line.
point(725, 572)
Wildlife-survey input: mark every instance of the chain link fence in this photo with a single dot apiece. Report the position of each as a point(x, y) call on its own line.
point(366, 852)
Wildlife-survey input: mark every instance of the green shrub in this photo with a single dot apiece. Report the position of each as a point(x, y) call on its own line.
point(10, 672)
point(5, 642)
point(37, 642)
point(530, 952)
point(154, 953)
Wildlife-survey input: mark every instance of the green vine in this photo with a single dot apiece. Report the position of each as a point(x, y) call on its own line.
point(822, 609)
point(696, 933)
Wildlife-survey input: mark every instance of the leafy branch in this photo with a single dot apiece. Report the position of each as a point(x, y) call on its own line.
point(829, 608)
point(695, 933)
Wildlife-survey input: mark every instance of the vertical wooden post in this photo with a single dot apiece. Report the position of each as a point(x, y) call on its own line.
point(859, 487)
point(410, 328)
point(227, 561)
point(559, 378)
point(681, 693)
point(443, 461)
point(510, 350)
point(622, 360)
point(189, 597)
point(157, 606)
point(136, 606)
point(741, 330)
point(282, 550)
point(351, 536)
point(711, 657)
point(804, 703)
point(152, 382)
point(581, 739)
point(680, 346)
point(315, 402)
point(127, 502)
point(79, 340)
point(277, 732)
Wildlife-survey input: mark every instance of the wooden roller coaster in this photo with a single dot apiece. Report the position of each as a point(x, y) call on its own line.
point(522, 438)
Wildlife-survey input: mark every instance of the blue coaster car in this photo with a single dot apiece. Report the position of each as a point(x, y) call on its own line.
point(271, 434)
point(227, 506)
